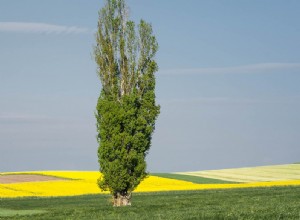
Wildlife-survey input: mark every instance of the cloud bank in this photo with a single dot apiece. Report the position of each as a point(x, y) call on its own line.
point(253, 68)
point(40, 28)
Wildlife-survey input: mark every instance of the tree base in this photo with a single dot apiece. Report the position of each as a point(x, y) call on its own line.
point(121, 200)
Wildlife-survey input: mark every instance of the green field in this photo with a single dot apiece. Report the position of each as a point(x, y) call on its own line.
point(252, 174)
point(189, 178)
point(254, 203)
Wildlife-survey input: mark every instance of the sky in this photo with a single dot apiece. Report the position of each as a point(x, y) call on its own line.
point(228, 83)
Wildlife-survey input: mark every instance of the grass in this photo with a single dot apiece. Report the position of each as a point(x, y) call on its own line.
point(11, 212)
point(193, 179)
point(254, 203)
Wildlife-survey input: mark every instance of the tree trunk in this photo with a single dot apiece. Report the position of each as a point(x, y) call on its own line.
point(122, 200)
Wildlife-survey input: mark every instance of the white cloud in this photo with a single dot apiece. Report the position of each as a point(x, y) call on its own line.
point(253, 68)
point(40, 28)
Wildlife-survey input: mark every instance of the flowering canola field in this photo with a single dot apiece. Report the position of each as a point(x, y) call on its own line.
point(85, 182)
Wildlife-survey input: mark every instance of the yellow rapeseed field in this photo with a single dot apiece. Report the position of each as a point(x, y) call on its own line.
point(85, 182)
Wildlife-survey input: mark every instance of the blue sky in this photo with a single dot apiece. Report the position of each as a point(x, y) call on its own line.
point(228, 83)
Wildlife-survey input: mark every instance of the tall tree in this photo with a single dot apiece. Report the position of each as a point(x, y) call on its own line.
point(126, 110)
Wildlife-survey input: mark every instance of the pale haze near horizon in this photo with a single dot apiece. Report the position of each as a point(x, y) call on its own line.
point(228, 84)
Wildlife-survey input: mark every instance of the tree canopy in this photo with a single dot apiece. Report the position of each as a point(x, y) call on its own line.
point(126, 110)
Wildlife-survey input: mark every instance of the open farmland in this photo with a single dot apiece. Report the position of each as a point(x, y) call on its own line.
point(252, 174)
point(75, 195)
point(73, 183)
point(252, 203)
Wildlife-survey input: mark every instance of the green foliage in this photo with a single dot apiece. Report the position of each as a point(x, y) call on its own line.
point(254, 203)
point(193, 179)
point(126, 109)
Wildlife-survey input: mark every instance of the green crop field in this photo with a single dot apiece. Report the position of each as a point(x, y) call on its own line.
point(254, 203)
point(193, 179)
point(252, 174)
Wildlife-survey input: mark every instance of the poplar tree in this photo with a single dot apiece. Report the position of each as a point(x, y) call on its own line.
point(126, 110)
